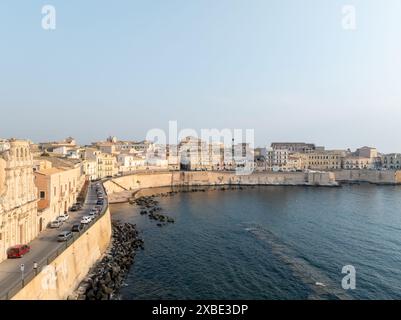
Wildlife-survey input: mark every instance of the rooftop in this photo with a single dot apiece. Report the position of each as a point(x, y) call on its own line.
point(49, 171)
point(58, 162)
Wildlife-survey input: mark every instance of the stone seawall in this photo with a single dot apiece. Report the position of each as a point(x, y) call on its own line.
point(127, 184)
point(370, 176)
point(62, 276)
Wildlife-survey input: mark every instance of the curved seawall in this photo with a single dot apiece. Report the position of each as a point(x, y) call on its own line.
point(126, 184)
point(381, 177)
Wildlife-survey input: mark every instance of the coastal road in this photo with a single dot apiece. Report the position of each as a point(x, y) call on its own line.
point(42, 246)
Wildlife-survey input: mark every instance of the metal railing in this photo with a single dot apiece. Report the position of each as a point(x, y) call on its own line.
point(13, 289)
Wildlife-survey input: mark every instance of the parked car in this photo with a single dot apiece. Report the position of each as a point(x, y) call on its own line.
point(64, 236)
point(18, 251)
point(74, 208)
point(77, 227)
point(99, 202)
point(93, 212)
point(63, 217)
point(86, 220)
point(56, 224)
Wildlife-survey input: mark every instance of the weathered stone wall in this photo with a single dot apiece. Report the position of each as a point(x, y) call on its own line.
point(192, 178)
point(398, 177)
point(61, 277)
point(126, 184)
point(371, 176)
point(321, 178)
point(2, 176)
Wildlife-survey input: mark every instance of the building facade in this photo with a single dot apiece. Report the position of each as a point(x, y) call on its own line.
point(391, 161)
point(106, 164)
point(194, 154)
point(18, 195)
point(90, 169)
point(294, 147)
point(276, 159)
point(130, 163)
point(58, 189)
point(352, 162)
point(324, 160)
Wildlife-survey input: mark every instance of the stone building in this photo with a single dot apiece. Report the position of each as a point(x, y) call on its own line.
point(18, 195)
point(324, 160)
point(58, 189)
point(276, 158)
point(114, 146)
point(194, 154)
point(172, 157)
point(51, 146)
point(90, 169)
point(294, 147)
point(362, 158)
point(216, 155)
point(106, 164)
point(130, 163)
point(366, 152)
point(352, 162)
point(391, 161)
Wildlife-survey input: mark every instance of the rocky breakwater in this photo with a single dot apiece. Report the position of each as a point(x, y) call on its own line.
point(108, 275)
point(150, 206)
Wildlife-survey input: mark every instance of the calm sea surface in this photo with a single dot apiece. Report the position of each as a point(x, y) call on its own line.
point(269, 243)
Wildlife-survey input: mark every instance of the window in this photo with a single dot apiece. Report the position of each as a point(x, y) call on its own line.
point(42, 194)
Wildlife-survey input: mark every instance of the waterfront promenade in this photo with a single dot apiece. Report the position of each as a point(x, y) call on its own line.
point(41, 247)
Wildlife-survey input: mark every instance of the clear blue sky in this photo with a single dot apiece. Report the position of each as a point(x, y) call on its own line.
point(285, 68)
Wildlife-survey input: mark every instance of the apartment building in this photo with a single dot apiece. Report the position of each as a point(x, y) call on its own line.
point(391, 161)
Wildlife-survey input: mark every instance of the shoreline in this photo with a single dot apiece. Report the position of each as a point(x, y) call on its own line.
point(107, 275)
point(127, 196)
